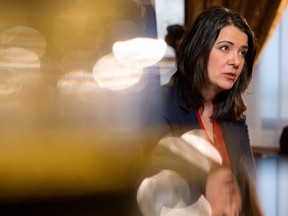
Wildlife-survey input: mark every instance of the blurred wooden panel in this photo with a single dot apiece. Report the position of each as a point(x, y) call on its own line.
point(262, 15)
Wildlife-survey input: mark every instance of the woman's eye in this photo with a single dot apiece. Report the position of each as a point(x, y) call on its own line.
point(243, 52)
point(224, 48)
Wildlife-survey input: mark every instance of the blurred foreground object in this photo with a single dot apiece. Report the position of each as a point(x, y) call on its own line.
point(186, 177)
point(166, 194)
point(178, 162)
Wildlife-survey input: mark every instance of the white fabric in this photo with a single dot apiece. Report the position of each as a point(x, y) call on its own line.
point(200, 208)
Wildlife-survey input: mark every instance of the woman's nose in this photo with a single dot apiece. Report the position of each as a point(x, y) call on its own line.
point(235, 60)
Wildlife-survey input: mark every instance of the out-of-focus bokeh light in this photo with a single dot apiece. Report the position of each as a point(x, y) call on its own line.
point(77, 82)
point(24, 38)
point(111, 74)
point(145, 2)
point(125, 66)
point(60, 132)
point(139, 52)
point(21, 49)
point(19, 59)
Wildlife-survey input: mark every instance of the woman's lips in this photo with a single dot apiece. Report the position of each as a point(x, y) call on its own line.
point(230, 76)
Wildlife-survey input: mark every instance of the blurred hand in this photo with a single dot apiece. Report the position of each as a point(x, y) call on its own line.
point(223, 193)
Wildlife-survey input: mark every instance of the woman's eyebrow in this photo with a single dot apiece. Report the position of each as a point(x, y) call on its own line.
point(245, 46)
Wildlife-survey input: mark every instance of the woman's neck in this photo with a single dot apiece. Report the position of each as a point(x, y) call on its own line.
point(205, 115)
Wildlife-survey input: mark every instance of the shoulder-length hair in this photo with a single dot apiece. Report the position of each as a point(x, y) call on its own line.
point(192, 75)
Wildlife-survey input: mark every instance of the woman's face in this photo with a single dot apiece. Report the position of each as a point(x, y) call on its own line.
point(226, 59)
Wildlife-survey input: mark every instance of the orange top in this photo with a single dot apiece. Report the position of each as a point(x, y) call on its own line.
point(219, 142)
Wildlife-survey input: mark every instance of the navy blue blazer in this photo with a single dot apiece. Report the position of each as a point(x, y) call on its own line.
point(168, 111)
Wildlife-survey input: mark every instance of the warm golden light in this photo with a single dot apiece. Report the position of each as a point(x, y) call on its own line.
point(111, 74)
point(7, 90)
point(25, 38)
point(62, 131)
point(125, 67)
point(139, 52)
point(19, 59)
point(77, 82)
point(69, 28)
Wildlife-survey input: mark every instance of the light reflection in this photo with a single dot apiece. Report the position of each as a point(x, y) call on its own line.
point(111, 74)
point(25, 38)
point(140, 52)
point(192, 147)
point(77, 82)
point(125, 67)
point(19, 59)
point(145, 2)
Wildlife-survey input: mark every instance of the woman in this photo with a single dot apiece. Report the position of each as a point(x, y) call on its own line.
point(214, 68)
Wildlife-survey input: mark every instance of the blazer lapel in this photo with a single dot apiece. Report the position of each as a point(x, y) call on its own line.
point(232, 141)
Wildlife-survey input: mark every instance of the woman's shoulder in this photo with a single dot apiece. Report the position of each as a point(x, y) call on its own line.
point(166, 89)
point(163, 93)
point(239, 123)
point(234, 129)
